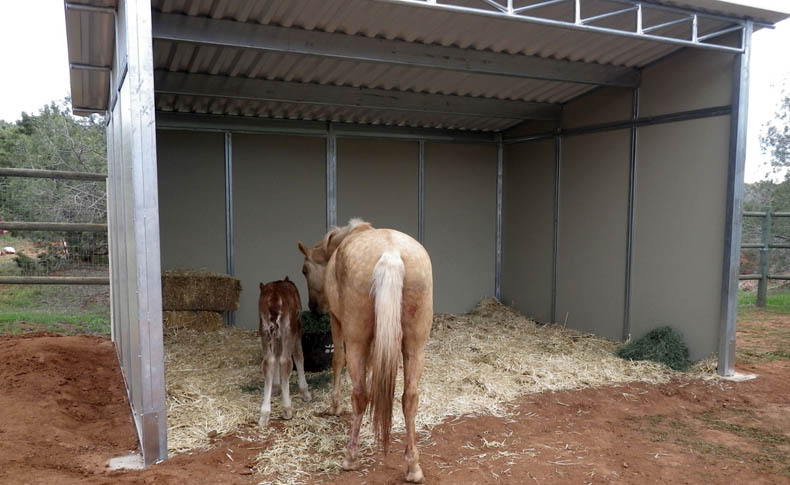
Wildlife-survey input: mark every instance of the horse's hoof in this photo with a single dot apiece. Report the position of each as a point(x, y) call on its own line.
point(264, 420)
point(350, 464)
point(335, 409)
point(306, 397)
point(415, 476)
point(288, 413)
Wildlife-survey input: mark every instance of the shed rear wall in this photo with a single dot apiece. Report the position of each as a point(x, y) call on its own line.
point(278, 199)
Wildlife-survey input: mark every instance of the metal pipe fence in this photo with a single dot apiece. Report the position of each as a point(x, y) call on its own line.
point(765, 247)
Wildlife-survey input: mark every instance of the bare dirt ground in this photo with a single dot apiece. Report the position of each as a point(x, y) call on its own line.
point(63, 415)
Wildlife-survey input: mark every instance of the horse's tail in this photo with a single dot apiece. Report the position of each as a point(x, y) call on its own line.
point(387, 291)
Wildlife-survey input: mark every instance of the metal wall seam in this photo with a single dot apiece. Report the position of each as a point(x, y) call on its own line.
point(498, 238)
point(556, 236)
point(331, 177)
point(733, 215)
point(629, 238)
point(230, 268)
point(421, 191)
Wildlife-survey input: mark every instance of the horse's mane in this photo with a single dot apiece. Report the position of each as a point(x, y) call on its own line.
point(324, 249)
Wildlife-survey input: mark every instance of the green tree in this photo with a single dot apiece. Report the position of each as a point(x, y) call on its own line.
point(775, 140)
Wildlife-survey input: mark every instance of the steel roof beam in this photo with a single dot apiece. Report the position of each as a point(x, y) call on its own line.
point(303, 93)
point(269, 38)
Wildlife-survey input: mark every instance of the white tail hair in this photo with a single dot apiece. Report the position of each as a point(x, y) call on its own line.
point(387, 290)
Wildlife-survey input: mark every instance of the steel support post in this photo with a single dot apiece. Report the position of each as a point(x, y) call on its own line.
point(556, 236)
point(498, 238)
point(734, 206)
point(629, 238)
point(230, 268)
point(331, 178)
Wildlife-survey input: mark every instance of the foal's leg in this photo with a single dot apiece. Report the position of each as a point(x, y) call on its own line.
point(338, 362)
point(286, 364)
point(299, 361)
point(357, 356)
point(268, 364)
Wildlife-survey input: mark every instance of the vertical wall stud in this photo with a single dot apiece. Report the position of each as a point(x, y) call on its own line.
point(331, 178)
point(230, 268)
point(500, 153)
point(421, 191)
point(556, 237)
point(629, 237)
point(733, 218)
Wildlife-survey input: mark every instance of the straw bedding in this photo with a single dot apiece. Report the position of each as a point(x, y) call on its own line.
point(200, 290)
point(475, 364)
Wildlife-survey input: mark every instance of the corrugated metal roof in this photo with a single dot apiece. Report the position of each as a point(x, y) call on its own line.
point(399, 21)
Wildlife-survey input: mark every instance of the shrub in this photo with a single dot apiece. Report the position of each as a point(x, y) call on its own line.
point(663, 345)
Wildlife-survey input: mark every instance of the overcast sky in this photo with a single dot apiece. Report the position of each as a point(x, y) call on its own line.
point(35, 68)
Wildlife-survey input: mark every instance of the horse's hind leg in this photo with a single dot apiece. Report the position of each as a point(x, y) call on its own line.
point(357, 356)
point(338, 362)
point(299, 361)
point(268, 364)
point(413, 361)
point(286, 365)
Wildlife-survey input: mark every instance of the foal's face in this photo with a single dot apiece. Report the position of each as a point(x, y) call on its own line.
point(314, 274)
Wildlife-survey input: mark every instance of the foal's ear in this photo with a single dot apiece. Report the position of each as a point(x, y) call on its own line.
point(303, 249)
point(286, 278)
point(262, 285)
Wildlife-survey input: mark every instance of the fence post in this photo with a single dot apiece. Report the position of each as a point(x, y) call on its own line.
point(765, 259)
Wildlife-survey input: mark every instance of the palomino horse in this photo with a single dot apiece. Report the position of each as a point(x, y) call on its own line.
point(279, 309)
point(377, 286)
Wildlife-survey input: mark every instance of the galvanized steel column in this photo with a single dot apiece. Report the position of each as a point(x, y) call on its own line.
point(421, 191)
point(498, 259)
point(230, 269)
point(629, 245)
point(556, 237)
point(147, 390)
point(331, 178)
point(733, 215)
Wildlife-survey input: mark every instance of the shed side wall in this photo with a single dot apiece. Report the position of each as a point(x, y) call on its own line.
point(592, 232)
point(460, 223)
point(678, 246)
point(528, 228)
point(278, 199)
point(377, 181)
point(191, 169)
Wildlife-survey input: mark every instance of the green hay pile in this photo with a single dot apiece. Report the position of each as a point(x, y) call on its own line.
point(199, 290)
point(663, 345)
point(314, 324)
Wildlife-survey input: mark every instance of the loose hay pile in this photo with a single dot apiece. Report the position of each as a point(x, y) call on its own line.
point(475, 364)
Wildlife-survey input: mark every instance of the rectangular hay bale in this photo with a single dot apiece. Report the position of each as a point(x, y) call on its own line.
point(199, 290)
point(196, 320)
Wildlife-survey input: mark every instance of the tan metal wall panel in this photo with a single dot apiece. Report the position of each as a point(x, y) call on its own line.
point(592, 232)
point(690, 79)
point(678, 247)
point(460, 223)
point(600, 106)
point(278, 199)
point(191, 168)
point(377, 181)
point(528, 228)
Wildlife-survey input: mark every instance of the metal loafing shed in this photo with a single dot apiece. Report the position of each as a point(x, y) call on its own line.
point(581, 160)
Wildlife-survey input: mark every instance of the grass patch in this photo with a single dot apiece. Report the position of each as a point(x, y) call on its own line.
point(777, 300)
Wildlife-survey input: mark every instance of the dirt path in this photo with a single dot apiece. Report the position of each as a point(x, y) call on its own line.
point(63, 414)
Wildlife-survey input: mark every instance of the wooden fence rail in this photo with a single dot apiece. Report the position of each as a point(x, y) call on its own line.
point(765, 246)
